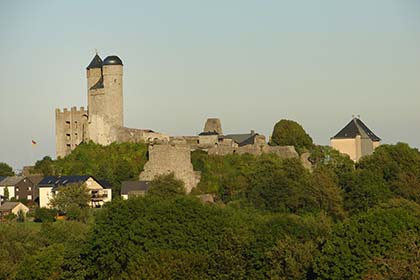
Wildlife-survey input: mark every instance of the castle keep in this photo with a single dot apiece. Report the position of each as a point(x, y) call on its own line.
point(103, 121)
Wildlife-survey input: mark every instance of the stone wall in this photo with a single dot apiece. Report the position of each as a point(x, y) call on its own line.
point(70, 129)
point(213, 125)
point(281, 151)
point(124, 134)
point(168, 158)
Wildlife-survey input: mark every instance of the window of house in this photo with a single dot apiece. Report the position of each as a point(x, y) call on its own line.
point(29, 188)
point(29, 197)
point(17, 189)
point(17, 196)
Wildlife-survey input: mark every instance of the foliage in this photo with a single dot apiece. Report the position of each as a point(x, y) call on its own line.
point(10, 217)
point(166, 185)
point(281, 187)
point(326, 192)
point(125, 229)
point(290, 133)
point(44, 166)
point(6, 170)
point(70, 195)
point(44, 264)
point(20, 216)
point(6, 193)
point(365, 237)
point(366, 190)
point(43, 214)
point(399, 166)
point(17, 241)
point(274, 220)
point(114, 163)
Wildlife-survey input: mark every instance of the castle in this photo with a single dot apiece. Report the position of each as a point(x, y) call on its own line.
point(103, 123)
point(103, 120)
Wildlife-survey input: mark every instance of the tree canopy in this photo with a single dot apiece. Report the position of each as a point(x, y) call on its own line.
point(290, 133)
point(166, 185)
point(6, 170)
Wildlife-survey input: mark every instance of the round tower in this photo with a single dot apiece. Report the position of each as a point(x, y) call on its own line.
point(112, 73)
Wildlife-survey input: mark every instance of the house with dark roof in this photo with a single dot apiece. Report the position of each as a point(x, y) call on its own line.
point(20, 187)
point(355, 140)
point(134, 188)
point(10, 184)
point(99, 190)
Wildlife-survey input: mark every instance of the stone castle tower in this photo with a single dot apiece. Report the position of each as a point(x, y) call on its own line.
point(103, 121)
point(105, 98)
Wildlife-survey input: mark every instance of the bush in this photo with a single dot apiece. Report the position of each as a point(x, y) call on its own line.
point(45, 215)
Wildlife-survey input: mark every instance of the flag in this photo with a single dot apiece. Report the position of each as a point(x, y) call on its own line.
point(33, 142)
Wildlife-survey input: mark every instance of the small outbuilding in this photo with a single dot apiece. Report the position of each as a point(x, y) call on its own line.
point(134, 188)
point(12, 208)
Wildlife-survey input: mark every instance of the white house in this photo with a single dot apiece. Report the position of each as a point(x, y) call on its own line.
point(10, 184)
point(100, 191)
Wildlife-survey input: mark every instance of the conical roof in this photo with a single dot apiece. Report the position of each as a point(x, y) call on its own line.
point(95, 63)
point(354, 128)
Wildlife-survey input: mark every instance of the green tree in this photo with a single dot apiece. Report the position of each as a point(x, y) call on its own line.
point(6, 170)
point(6, 193)
point(166, 186)
point(45, 166)
point(399, 166)
point(290, 133)
point(326, 193)
point(281, 187)
point(43, 214)
point(114, 163)
point(72, 199)
point(44, 264)
point(291, 258)
point(365, 237)
point(129, 231)
point(366, 190)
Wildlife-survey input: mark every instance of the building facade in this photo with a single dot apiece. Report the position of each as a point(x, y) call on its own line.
point(99, 191)
point(356, 140)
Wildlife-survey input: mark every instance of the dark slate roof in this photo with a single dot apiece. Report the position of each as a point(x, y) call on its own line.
point(105, 184)
point(99, 84)
point(128, 186)
point(112, 60)
point(95, 63)
point(207, 133)
point(2, 178)
point(242, 139)
point(354, 128)
point(57, 181)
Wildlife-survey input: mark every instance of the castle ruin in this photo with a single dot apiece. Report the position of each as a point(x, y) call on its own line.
point(103, 121)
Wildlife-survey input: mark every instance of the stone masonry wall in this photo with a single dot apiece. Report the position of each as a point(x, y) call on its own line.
point(167, 158)
point(70, 129)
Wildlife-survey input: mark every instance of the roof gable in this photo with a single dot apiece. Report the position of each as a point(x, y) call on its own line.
point(242, 139)
point(356, 128)
point(95, 63)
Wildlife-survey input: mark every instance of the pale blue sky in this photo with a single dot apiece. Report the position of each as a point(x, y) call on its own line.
point(249, 63)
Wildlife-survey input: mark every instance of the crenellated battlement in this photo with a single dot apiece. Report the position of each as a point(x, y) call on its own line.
point(72, 109)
